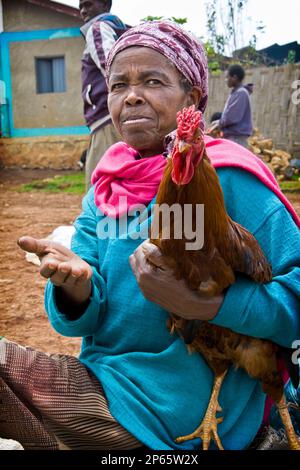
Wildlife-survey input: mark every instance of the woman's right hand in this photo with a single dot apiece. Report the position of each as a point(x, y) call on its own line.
point(63, 267)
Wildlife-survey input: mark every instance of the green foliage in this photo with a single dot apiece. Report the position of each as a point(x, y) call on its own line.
point(73, 184)
point(152, 18)
point(225, 25)
point(291, 58)
point(217, 41)
point(178, 20)
point(212, 58)
point(175, 20)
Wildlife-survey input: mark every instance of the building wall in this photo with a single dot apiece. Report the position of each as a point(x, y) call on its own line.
point(32, 110)
point(22, 16)
point(274, 113)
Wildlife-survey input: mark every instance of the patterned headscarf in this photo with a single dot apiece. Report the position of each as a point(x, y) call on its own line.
point(179, 46)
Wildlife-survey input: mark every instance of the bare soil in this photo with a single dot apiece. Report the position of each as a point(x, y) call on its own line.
point(22, 315)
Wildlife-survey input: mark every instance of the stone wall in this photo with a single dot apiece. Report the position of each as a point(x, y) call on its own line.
point(274, 113)
point(57, 152)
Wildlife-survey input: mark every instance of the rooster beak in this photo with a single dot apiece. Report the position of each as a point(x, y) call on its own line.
point(183, 146)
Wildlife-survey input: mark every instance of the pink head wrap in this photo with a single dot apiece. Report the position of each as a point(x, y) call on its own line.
point(172, 41)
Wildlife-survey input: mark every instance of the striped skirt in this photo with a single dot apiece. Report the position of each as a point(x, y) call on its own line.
point(52, 402)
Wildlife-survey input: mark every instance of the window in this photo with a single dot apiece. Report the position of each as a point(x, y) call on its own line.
point(50, 75)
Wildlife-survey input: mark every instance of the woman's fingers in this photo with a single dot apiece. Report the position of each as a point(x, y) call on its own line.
point(141, 259)
point(48, 267)
point(132, 262)
point(32, 245)
point(61, 275)
point(77, 279)
point(153, 254)
point(58, 263)
point(41, 247)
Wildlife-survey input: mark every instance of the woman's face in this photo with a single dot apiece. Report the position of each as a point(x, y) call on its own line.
point(144, 96)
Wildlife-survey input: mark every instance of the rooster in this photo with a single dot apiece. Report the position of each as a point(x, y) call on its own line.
point(190, 178)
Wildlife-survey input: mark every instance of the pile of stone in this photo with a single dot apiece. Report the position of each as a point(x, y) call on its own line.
point(279, 161)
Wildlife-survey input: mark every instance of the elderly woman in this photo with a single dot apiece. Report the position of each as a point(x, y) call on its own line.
point(134, 384)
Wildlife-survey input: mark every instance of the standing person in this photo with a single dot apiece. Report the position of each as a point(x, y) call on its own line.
point(134, 383)
point(101, 30)
point(236, 120)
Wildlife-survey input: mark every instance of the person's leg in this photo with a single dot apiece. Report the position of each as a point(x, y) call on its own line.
point(239, 139)
point(54, 402)
point(101, 140)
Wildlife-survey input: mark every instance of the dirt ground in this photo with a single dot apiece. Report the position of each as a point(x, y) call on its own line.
point(22, 315)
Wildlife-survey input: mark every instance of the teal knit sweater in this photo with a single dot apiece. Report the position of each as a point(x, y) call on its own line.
point(154, 387)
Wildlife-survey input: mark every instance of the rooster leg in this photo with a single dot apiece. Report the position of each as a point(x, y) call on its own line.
point(208, 428)
point(287, 423)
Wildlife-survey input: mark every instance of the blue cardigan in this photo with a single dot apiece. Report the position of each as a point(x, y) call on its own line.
point(154, 387)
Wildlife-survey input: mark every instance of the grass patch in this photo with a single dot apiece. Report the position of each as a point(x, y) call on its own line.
point(72, 184)
point(292, 186)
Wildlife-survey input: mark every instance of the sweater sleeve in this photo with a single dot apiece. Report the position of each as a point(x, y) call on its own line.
point(269, 311)
point(84, 244)
point(100, 38)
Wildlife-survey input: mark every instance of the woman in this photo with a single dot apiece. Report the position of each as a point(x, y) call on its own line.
point(135, 384)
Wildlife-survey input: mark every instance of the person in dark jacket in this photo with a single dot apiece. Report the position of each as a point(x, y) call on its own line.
point(236, 120)
point(101, 29)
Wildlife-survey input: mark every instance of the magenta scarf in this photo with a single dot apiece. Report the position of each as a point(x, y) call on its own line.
point(121, 172)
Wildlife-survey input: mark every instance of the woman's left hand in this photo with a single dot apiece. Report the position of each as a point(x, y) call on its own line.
point(159, 285)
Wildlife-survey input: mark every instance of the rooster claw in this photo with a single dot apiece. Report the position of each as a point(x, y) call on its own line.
point(207, 431)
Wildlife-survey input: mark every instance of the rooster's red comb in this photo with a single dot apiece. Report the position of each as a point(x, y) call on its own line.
point(188, 120)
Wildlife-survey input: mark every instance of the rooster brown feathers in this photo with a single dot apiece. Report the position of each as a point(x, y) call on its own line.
point(190, 178)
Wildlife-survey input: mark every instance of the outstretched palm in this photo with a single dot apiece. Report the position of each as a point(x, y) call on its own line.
point(63, 267)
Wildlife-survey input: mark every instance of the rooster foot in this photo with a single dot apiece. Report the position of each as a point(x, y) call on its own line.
point(295, 444)
point(292, 437)
point(207, 429)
